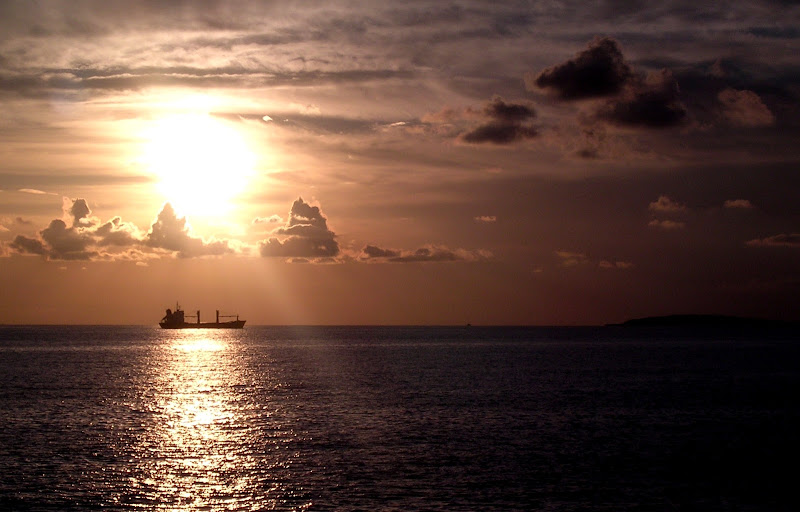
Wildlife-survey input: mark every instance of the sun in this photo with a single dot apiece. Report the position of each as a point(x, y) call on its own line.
point(201, 164)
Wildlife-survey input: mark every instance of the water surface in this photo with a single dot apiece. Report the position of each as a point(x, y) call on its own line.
point(397, 418)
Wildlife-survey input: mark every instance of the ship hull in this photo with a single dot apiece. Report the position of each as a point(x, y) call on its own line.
point(236, 324)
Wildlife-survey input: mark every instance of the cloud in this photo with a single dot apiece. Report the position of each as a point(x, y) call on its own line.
point(486, 218)
point(500, 122)
point(621, 265)
point(738, 203)
point(67, 243)
point(745, 108)
point(33, 191)
point(666, 205)
point(666, 224)
point(575, 259)
point(598, 71)
point(88, 239)
point(118, 233)
point(427, 254)
point(306, 235)
point(172, 233)
point(499, 133)
point(782, 240)
point(651, 103)
point(25, 245)
point(572, 259)
point(371, 251)
point(274, 219)
point(79, 211)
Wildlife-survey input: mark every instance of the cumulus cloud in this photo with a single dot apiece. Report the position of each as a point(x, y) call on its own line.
point(427, 254)
point(506, 123)
point(572, 259)
point(371, 251)
point(575, 259)
point(782, 240)
point(305, 235)
point(497, 122)
point(668, 225)
point(88, 239)
point(67, 243)
point(118, 233)
point(25, 245)
point(621, 265)
point(738, 203)
point(653, 103)
point(79, 211)
point(666, 205)
point(172, 233)
point(600, 70)
point(745, 108)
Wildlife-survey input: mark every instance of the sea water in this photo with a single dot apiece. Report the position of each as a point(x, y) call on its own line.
point(398, 418)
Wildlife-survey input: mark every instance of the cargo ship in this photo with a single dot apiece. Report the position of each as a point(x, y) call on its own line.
point(177, 320)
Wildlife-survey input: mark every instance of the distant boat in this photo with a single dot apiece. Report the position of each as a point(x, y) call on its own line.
point(177, 320)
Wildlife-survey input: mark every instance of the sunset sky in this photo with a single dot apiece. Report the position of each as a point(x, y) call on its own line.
point(417, 162)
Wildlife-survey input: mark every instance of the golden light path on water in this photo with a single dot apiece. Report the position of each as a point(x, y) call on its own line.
point(215, 440)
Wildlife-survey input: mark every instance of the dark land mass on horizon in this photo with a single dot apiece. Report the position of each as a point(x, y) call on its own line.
point(694, 320)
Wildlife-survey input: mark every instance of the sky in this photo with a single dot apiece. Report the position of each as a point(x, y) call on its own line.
point(416, 162)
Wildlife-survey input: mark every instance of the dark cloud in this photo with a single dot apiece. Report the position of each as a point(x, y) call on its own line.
point(428, 254)
point(79, 211)
point(306, 235)
point(67, 243)
point(598, 71)
point(172, 233)
point(371, 251)
point(504, 112)
point(498, 133)
point(654, 103)
point(25, 245)
point(505, 125)
point(58, 242)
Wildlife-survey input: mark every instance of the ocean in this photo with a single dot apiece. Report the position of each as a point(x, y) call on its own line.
point(398, 418)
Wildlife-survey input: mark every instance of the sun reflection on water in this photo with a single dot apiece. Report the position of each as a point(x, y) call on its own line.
point(212, 442)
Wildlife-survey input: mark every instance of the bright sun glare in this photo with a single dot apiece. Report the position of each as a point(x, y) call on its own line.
point(201, 163)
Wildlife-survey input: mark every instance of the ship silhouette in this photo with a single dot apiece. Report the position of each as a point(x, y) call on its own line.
point(177, 320)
